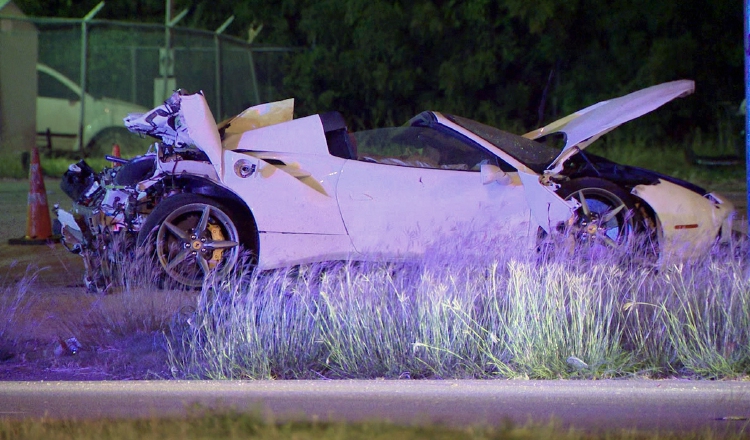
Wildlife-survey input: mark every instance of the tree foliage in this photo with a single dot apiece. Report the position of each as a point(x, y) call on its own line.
point(512, 63)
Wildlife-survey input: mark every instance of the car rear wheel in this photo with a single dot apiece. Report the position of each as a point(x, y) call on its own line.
point(193, 236)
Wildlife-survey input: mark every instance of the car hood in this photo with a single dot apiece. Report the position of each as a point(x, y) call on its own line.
point(585, 126)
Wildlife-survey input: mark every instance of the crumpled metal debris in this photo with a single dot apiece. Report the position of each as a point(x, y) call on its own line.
point(67, 347)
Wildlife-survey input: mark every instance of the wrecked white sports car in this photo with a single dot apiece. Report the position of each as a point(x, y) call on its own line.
point(292, 191)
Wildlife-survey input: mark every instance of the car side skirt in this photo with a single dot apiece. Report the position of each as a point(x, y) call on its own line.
point(283, 250)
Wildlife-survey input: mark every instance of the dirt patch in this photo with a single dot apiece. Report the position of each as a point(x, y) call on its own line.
point(44, 304)
point(140, 356)
point(119, 335)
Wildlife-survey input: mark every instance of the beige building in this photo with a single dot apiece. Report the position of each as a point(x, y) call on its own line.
point(18, 56)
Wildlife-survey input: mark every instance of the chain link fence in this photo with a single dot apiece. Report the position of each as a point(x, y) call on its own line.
point(140, 65)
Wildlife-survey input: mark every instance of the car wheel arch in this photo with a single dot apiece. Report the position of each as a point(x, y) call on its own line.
point(642, 219)
point(240, 212)
point(623, 192)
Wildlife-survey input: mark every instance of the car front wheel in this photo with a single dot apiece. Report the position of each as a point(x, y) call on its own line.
point(193, 236)
point(606, 218)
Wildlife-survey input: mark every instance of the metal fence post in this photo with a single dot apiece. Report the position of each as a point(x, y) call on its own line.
point(253, 77)
point(84, 67)
point(167, 61)
point(133, 74)
point(217, 48)
point(747, 113)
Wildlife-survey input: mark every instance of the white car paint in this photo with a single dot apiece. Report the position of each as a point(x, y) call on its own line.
point(546, 206)
point(201, 128)
point(689, 223)
point(282, 250)
point(302, 136)
point(63, 115)
point(283, 203)
point(401, 211)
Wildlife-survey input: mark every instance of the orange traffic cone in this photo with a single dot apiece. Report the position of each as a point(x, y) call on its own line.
point(116, 153)
point(38, 224)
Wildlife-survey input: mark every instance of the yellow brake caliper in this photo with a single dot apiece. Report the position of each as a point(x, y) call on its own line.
point(216, 235)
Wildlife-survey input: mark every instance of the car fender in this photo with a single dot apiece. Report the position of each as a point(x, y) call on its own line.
point(289, 193)
point(208, 187)
point(689, 223)
point(547, 208)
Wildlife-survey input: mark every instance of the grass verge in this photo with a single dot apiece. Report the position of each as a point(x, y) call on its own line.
point(627, 148)
point(12, 166)
point(236, 425)
point(15, 299)
point(499, 315)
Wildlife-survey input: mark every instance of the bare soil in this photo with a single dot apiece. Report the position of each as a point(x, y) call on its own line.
point(56, 307)
point(36, 343)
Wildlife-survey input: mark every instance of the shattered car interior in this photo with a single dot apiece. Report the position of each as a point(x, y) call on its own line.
point(289, 191)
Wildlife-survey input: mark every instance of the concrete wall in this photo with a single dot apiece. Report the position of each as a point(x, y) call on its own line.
point(18, 57)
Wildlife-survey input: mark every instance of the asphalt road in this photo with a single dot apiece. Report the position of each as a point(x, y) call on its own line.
point(592, 405)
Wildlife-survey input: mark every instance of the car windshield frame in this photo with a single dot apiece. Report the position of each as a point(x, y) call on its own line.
point(535, 155)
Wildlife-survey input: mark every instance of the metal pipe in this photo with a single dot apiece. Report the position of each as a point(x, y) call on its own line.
point(253, 76)
point(217, 65)
point(133, 74)
point(747, 113)
point(84, 67)
point(168, 61)
point(167, 46)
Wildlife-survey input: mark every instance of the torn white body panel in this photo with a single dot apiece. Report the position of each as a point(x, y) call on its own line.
point(300, 136)
point(201, 128)
point(259, 116)
point(546, 206)
point(69, 229)
point(690, 224)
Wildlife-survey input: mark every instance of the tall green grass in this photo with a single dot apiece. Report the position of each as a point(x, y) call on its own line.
point(505, 314)
point(11, 165)
point(232, 424)
point(15, 298)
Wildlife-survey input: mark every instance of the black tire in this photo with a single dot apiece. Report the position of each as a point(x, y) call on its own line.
point(606, 218)
point(192, 236)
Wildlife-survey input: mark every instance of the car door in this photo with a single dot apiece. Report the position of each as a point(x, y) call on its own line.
point(415, 187)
